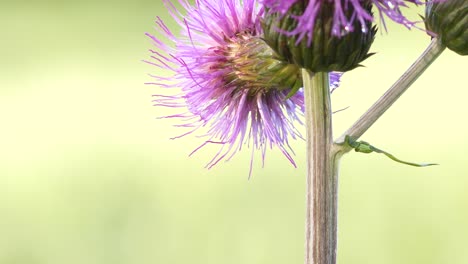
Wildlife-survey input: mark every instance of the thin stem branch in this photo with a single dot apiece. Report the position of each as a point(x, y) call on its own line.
point(322, 162)
point(431, 53)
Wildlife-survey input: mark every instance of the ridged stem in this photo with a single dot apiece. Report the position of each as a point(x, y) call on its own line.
point(431, 53)
point(322, 172)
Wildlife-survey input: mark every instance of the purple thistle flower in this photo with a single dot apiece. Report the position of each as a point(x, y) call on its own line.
point(228, 78)
point(341, 22)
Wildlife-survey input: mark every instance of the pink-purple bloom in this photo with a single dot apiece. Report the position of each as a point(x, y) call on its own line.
point(342, 23)
point(213, 63)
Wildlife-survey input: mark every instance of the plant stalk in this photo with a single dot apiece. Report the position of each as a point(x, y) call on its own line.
point(322, 172)
point(431, 53)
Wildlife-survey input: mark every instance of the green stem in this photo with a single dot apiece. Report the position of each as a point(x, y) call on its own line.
point(393, 93)
point(322, 172)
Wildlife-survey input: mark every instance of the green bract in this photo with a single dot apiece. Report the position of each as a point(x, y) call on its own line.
point(326, 52)
point(449, 20)
point(256, 67)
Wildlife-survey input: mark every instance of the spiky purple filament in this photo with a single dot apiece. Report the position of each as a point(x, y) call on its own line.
point(235, 90)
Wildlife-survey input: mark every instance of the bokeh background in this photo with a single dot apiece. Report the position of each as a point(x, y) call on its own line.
point(88, 175)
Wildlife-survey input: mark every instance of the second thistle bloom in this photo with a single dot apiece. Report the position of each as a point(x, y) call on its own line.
point(328, 35)
point(326, 52)
point(234, 87)
point(345, 14)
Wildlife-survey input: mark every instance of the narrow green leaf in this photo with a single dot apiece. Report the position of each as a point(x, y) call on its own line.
point(364, 147)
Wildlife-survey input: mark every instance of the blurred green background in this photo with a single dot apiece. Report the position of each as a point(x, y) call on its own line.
point(87, 175)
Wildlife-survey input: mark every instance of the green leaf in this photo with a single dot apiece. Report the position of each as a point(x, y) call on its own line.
point(364, 147)
point(293, 91)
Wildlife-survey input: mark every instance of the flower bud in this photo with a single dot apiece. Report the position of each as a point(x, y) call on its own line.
point(325, 51)
point(449, 20)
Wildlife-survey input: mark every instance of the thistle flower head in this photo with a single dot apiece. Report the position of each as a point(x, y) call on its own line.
point(345, 14)
point(327, 52)
point(448, 19)
point(235, 90)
